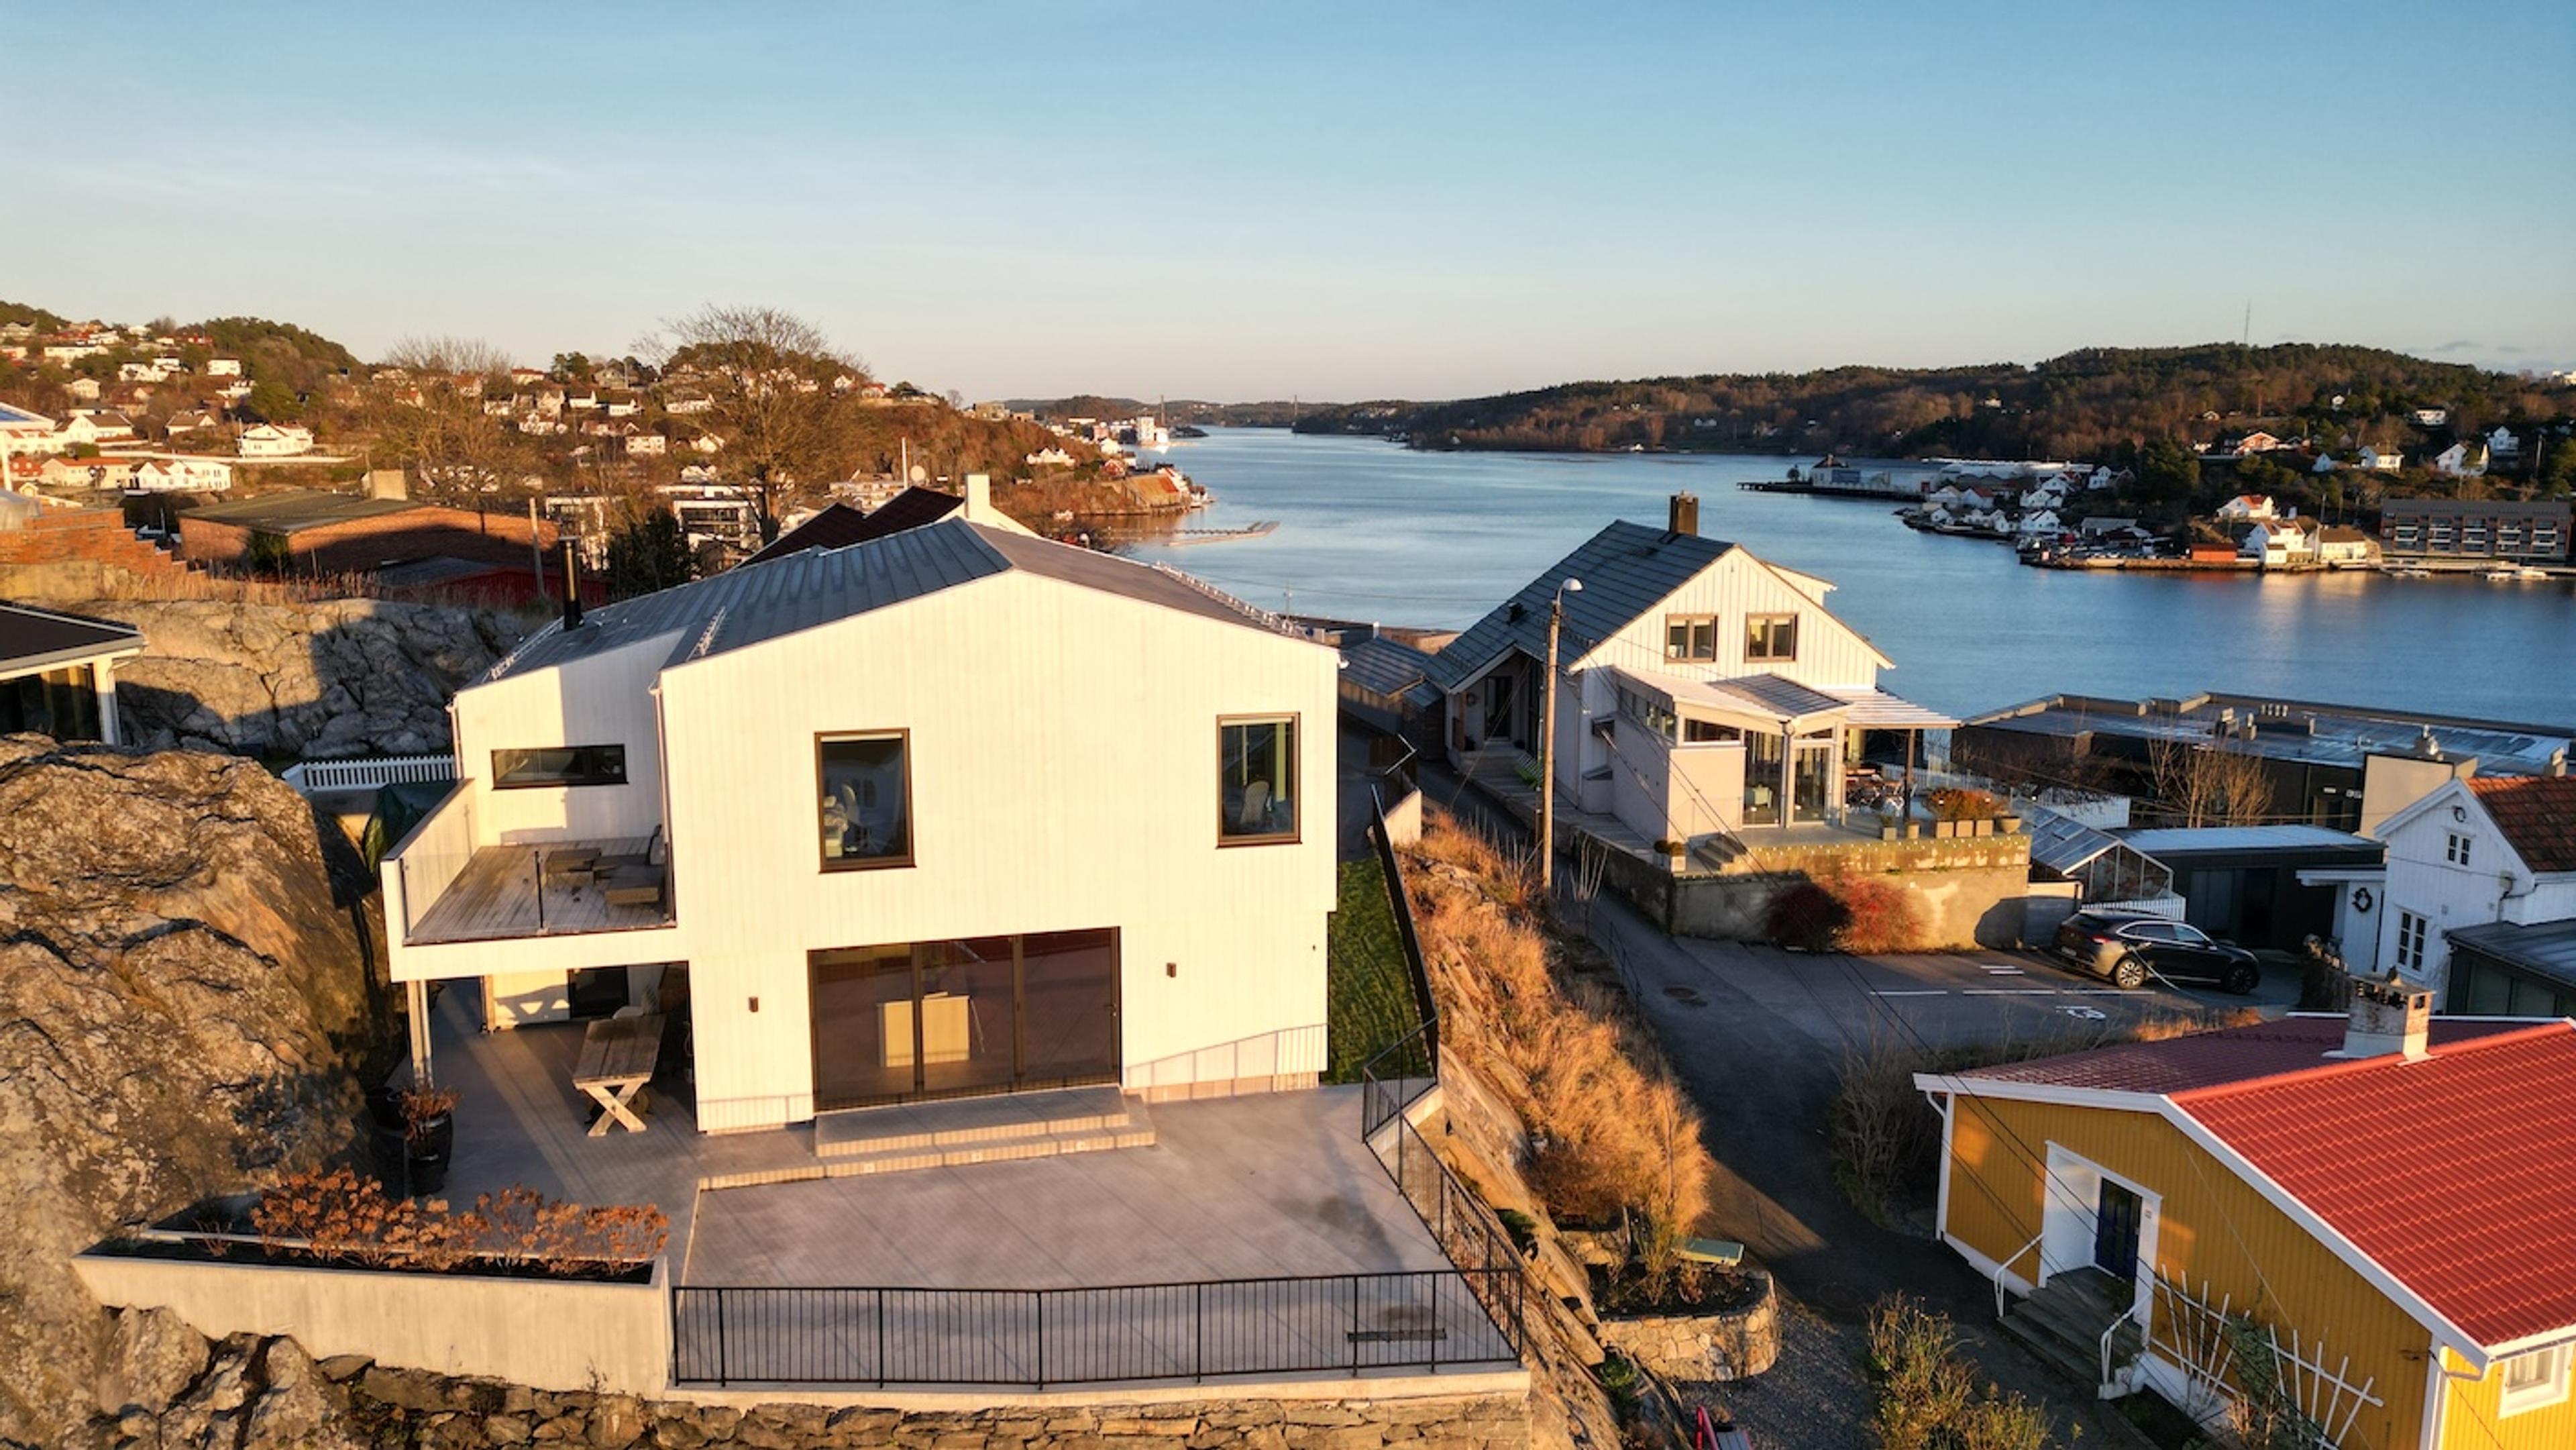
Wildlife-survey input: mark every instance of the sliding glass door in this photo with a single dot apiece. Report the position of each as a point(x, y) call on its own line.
point(954, 1018)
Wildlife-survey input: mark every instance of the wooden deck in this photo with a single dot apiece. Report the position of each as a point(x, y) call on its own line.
point(496, 897)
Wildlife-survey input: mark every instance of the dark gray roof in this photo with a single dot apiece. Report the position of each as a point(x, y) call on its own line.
point(39, 639)
point(1626, 570)
point(756, 602)
point(2176, 843)
point(2300, 730)
point(1781, 694)
point(298, 508)
point(2545, 949)
point(1384, 666)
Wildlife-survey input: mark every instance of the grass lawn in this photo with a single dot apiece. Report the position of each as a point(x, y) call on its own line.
point(1371, 1001)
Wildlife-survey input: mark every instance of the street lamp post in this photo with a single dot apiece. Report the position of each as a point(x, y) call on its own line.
point(1547, 747)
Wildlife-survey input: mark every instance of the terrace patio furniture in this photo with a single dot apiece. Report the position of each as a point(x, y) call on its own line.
point(617, 1057)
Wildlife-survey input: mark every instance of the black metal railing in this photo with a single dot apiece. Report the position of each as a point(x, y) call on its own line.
point(1468, 1232)
point(1043, 1338)
point(1397, 1077)
point(1400, 903)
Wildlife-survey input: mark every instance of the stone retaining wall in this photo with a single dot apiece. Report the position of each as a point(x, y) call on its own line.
point(174, 1388)
point(1695, 1347)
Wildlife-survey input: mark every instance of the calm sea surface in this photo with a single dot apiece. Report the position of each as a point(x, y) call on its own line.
point(1368, 530)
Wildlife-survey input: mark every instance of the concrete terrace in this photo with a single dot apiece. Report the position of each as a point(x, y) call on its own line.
point(1258, 1186)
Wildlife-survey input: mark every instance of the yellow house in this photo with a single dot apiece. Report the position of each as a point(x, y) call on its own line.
point(2383, 1205)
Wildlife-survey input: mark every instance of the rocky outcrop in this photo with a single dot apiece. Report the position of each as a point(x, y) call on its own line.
point(186, 1007)
point(250, 1392)
point(347, 677)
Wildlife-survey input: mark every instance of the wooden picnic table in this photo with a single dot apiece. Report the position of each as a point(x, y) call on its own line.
point(617, 1055)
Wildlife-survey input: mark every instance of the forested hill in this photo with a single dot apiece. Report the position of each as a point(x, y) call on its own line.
point(2085, 404)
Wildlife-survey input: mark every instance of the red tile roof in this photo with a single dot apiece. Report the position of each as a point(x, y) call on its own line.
point(2452, 1173)
point(2536, 813)
point(2208, 1059)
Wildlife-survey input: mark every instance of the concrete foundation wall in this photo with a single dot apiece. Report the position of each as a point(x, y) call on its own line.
point(547, 1334)
point(1969, 891)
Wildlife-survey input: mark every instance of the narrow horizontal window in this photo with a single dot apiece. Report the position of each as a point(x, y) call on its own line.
point(559, 765)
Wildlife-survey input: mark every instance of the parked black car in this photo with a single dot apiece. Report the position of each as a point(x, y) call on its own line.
point(2129, 949)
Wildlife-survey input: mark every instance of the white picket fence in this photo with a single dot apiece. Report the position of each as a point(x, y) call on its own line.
point(313, 777)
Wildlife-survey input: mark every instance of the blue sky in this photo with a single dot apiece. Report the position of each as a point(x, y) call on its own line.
point(1393, 199)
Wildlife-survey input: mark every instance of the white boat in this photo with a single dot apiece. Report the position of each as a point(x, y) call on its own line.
point(2529, 575)
point(2502, 576)
point(2409, 572)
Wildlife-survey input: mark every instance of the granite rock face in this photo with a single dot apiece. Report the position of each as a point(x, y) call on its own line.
point(186, 1007)
point(343, 678)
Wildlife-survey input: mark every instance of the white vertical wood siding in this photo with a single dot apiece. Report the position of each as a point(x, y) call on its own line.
point(1063, 759)
point(1831, 654)
point(604, 699)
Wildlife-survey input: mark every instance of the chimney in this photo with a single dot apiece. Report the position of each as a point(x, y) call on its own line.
point(1685, 514)
point(979, 498)
point(572, 591)
point(2388, 1016)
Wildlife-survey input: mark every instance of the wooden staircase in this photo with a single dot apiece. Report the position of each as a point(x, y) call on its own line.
point(2062, 1323)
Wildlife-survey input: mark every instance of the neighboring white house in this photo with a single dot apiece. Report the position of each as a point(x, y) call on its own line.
point(646, 445)
point(2337, 544)
point(2276, 543)
point(1701, 690)
point(223, 367)
point(952, 810)
point(275, 440)
point(180, 475)
point(2383, 460)
point(2461, 460)
point(2502, 444)
point(58, 673)
point(2248, 508)
point(2473, 853)
point(2432, 417)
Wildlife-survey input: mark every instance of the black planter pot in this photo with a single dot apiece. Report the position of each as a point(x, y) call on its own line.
point(411, 1162)
point(424, 1171)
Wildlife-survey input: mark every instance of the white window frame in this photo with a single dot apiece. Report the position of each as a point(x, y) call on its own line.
point(2410, 956)
point(2551, 1391)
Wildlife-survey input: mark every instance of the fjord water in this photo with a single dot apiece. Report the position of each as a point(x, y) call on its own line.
point(1371, 531)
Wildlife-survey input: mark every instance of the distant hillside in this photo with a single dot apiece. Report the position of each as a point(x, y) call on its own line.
point(1277, 413)
point(2086, 404)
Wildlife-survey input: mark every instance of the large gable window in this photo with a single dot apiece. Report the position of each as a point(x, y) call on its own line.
point(1256, 780)
point(866, 810)
point(1690, 638)
point(1770, 639)
point(559, 765)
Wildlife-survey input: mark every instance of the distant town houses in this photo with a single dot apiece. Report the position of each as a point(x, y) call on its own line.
point(2247, 508)
point(180, 475)
point(2460, 460)
point(2528, 532)
point(2278, 543)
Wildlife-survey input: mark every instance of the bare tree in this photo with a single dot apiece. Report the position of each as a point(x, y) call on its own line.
point(455, 356)
point(2203, 785)
point(767, 374)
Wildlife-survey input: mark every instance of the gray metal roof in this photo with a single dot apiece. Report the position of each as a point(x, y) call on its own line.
point(1385, 666)
point(2298, 730)
point(755, 602)
point(40, 639)
point(2545, 949)
point(1626, 570)
point(2168, 843)
point(299, 508)
point(1781, 695)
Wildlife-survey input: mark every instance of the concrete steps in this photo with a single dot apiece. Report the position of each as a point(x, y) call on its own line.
point(995, 1129)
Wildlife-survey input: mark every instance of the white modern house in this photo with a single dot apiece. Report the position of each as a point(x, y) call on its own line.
point(951, 811)
point(1701, 690)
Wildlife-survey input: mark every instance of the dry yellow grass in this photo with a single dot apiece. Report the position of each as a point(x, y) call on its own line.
point(1610, 1128)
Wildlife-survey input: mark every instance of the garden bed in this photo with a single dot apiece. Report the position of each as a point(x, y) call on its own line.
point(1714, 1325)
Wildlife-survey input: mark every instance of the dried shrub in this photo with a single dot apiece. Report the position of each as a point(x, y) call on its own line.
point(339, 1216)
point(1879, 916)
point(1928, 1397)
point(1805, 917)
point(1952, 803)
point(423, 1106)
point(1611, 1133)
